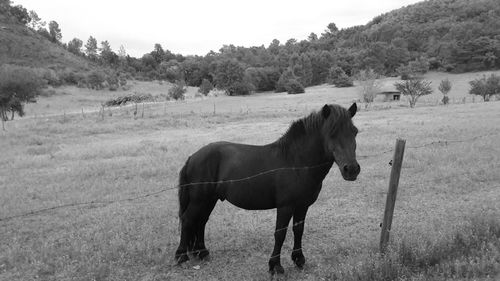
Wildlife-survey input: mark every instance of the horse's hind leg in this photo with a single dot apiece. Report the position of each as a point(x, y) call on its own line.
point(199, 248)
point(284, 214)
point(299, 217)
point(187, 235)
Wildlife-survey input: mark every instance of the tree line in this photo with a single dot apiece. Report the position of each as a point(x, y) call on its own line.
point(444, 35)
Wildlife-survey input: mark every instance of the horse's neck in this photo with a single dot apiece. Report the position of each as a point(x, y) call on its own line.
point(308, 150)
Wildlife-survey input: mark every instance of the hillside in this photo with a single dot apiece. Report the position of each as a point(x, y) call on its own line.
point(21, 46)
point(459, 35)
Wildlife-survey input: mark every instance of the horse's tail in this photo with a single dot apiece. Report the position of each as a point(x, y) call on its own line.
point(183, 191)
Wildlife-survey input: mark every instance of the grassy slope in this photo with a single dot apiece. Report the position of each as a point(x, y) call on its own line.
point(58, 160)
point(22, 46)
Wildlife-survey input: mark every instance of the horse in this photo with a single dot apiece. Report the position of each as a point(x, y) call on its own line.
point(286, 174)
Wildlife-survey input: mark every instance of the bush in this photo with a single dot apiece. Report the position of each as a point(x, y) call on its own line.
point(205, 87)
point(294, 87)
point(51, 77)
point(177, 91)
point(113, 82)
point(95, 80)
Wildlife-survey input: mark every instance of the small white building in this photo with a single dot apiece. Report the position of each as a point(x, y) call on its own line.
point(389, 93)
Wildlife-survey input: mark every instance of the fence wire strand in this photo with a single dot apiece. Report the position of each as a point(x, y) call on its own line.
point(146, 195)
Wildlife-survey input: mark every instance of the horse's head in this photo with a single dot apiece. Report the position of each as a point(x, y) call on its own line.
point(340, 138)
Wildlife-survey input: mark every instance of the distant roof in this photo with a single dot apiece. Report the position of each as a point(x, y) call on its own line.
point(389, 93)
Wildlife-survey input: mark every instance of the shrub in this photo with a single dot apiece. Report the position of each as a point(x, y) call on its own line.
point(95, 80)
point(445, 87)
point(205, 87)
point(294, 87)
point(177, 91)
point(51, 77)
point(113, 82)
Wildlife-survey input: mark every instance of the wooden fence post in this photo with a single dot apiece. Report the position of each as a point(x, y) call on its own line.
point(397, 162)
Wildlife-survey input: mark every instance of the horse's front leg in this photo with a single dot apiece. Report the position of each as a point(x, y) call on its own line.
point(284, 214)
point(299, 217)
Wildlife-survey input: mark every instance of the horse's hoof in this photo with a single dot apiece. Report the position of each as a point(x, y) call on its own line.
point(277, 269)
point(299, 260)
point(181, 258)
point(202, 254)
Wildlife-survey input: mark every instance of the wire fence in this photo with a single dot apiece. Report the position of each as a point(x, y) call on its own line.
point(146, 195)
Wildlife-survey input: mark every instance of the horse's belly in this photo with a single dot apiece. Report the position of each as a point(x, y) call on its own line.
point(250, 197)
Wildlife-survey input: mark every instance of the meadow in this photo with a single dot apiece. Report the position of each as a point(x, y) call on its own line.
point(445, 225)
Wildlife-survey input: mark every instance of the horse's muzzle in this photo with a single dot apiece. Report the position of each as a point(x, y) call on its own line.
point(350, 172)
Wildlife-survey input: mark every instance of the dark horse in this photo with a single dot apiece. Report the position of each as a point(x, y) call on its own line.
point(286, 174)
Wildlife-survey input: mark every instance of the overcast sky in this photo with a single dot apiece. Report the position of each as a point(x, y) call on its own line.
point(194, 27)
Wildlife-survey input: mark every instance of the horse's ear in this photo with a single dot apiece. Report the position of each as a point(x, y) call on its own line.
point(325, 111)
point(353, 109)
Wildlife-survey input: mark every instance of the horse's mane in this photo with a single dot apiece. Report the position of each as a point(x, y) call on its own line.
point(312, 124)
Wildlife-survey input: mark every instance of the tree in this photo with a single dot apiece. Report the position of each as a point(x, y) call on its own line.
point(107, 55)
point(339, 78)
point(283, 81)
point(414, 89)
point(4, 6)
point(485, 87)
point(91, 48)
point(369, 85)
point(230, 76)
point(36, 22)
point(18, 85)
point(105, 47)
point(75, 46)
point(205, 87)
point(312, 37)
point(444, 88)
point(122, 53)
point(158, 53)
point(55, 32)
point(20, 14)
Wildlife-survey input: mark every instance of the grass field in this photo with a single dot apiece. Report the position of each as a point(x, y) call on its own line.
point(445, 227)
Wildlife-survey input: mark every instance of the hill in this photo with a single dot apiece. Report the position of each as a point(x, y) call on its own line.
point(20, 45)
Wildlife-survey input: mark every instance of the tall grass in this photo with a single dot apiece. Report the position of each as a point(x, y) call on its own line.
point(470, 250)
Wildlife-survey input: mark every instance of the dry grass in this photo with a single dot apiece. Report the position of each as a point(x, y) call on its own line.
point(64, 159)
